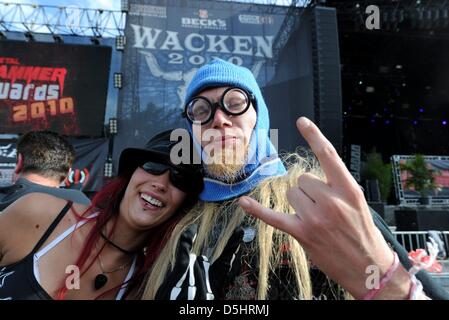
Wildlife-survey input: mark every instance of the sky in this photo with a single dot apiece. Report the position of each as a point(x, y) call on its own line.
point(95, 4)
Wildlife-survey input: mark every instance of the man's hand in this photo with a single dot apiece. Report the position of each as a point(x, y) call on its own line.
point(332, 221)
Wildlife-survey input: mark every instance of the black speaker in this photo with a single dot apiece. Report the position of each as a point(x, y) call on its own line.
point(307, 77)
point(372, 190)
point(379, 207)
point(422, 219)
point(327, 76)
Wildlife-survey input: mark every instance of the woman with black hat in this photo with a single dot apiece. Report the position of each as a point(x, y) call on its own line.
point(101, 251)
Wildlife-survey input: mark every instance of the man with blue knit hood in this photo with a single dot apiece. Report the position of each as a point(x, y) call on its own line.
point(223, 253)
point(244, 138)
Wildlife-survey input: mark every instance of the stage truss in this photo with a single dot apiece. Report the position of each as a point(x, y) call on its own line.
point(399, 190)
point(61, 20)
point(76, 21)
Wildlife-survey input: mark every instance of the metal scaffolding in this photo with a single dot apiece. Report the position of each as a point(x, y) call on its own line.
point(285, 3)
point(59, 20)
point(73, 20)
point(411, 15)
point(290, 23)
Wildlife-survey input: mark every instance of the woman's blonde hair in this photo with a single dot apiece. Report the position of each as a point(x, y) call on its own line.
point(272, 193)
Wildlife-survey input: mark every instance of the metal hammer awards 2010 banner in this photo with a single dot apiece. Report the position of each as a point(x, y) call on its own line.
point(50, 86)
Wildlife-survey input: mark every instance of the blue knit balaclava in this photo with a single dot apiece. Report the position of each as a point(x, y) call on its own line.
point(262, 161)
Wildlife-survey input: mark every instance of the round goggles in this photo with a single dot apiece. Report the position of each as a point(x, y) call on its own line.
point(234, 102)
point(180, 179)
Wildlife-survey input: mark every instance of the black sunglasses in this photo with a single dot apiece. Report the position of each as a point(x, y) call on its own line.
point(181, 180)
point(234, 101)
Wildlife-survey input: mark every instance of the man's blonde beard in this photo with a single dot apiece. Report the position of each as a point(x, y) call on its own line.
point(227, 164)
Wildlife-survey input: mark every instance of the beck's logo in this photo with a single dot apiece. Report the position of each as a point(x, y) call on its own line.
point(203, 21)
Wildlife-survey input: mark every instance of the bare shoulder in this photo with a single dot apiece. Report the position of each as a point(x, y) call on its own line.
point(22, 223)
point(31, 207)
point(36, 207)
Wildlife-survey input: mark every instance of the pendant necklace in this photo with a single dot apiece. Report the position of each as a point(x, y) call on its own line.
point(101, 279)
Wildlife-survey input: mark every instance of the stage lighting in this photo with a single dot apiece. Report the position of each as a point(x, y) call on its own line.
point(125, 5)
point(120, 42)
point(29, 36)
point(118, 80)
point(107, 172)
point(57, 38)
point(113, 126)
point(95, 41)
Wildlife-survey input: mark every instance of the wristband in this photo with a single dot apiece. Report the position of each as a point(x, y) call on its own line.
point(385, 279)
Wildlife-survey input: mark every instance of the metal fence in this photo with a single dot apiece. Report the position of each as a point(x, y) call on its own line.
point(412, 240)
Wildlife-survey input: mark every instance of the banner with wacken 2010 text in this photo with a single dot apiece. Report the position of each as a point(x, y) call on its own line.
point(168, 41)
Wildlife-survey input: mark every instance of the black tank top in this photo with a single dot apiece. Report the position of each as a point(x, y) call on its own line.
point(17, 280)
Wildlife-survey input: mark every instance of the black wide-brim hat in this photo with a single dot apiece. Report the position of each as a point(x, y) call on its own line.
point(158, 149)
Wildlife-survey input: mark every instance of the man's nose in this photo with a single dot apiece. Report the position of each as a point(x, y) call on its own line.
point(221, 120)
